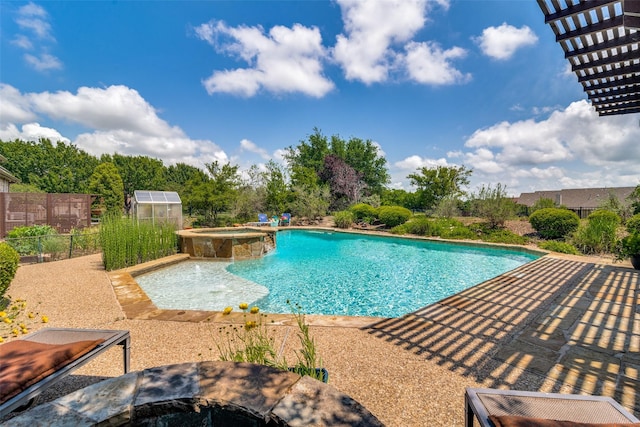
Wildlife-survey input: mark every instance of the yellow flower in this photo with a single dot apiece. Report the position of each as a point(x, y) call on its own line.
point(250, 325)
point(7, 320)
point(1, 339)
point(227, 310)
point(31, 315)
point(24, 330)
point(243, 306)
point(15, 331)
point(45, 319)
point(22, 325)
point(254, 310)
point(3, 314)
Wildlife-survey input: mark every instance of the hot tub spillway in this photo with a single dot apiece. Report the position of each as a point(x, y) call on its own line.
point(228, 243)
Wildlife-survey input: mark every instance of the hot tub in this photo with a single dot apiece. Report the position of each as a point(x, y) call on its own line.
point(228, 243)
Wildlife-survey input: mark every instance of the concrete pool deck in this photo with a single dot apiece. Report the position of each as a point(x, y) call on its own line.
point(557, 324)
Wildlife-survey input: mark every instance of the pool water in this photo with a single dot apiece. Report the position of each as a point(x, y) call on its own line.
point(333, 274)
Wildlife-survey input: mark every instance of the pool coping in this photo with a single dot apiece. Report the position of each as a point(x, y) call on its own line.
point(136, 305)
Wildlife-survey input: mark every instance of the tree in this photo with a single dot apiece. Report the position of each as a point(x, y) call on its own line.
point(62, 168)
point(139, 172)
point(634, 198)
point(364, 157)
point(107, 183)
point(492, 204)
point(434, 184)
point(344, 182)
point(276, 187)
point(310, 203)
point(223, 187)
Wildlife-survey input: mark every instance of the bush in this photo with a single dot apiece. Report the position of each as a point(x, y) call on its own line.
point(542, 203)
point(343, 219)
point(599, 235)
point(420, 226)
point(633, 224)
point(562, 247)
point(393, 215)
point(493, 204)
point(628, 247)
point(554, 223)
point(458, 232)
point(363, 211)
point(487, 233)
point(27, 240)
point(9, 260)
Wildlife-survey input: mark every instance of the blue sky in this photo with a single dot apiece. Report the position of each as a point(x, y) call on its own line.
point(475, 83)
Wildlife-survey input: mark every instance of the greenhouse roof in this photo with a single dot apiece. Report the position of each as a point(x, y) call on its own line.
point(156, 197)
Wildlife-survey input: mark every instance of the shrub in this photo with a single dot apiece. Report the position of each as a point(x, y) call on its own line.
point(27, 240)
point(562, 247)
point(628, 247)
point(363, 211)
point(458, 232)
point(493, 205)
point(542, 203)
point(420, 226)
point(343, 219)
point(554, 223)
point(9, 260)
point(633, 224)
point(393, 215)
point(599, 235)
point(487, 233)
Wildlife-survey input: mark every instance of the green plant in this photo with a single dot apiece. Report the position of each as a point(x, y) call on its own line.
point(419, 225)
point(127, 241)
point(627, 247)
point(562, 247)
point(542, 203)
point(363, 210)
point(9, 260)
point(599, 234)
point(492, 204)
point(253, 342)
point(27, 240)
point(633, 224)
point(487, 233)
point(393, 215)
point(554, 223)
point(343, 219)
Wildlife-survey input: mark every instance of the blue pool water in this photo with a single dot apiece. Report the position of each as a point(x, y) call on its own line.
point(333, 273)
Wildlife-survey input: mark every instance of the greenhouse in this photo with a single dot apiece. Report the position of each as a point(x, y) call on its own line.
point(158, 206)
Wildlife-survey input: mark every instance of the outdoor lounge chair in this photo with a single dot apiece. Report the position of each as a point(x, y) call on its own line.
point(285, 219)
point(513, 407)
point(31, 365)
point(263, 219)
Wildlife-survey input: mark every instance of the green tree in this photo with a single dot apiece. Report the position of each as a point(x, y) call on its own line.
point(634, 199)
point(107, 183)
point(310, 203)
point(276, 188)
point(139, 172)
point(59, 168)
point(492, 204)
point(434, 184)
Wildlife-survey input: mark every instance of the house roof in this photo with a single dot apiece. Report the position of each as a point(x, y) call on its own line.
point(156, 197)
point(600, 39)
point(577, 198)
point(6, 175)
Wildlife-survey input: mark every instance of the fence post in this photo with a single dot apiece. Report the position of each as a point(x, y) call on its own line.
point(70, 245)
point(40, 257)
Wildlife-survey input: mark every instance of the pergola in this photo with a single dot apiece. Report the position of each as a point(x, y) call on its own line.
point(601, 38)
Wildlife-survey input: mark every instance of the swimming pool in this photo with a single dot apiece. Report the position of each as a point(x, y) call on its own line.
point(333, 273)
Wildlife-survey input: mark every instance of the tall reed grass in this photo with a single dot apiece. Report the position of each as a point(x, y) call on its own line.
point(127, 241)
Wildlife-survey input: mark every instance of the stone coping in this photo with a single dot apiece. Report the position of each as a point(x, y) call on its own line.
point(203, 393)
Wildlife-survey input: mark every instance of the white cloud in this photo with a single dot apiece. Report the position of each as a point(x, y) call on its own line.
point(378, 45)
point(572, 148)
point(44, 62)
point(372, 27)
point(119, 119)
point(411, 163)
point(286, 60)
point(427, 63)
point(34, 21)
point(503, 41)
point(30, 132)
point(246, 145)
point(13, 106)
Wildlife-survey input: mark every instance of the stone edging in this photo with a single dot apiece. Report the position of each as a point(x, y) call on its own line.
point(203, 393)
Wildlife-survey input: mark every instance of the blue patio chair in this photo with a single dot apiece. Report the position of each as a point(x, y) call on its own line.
point(285, 219)
point(263, 219)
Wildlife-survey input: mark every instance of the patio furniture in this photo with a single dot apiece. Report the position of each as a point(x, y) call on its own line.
point(285, 219)
point(39, 360)
point(263, 219)
point(482, 403)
